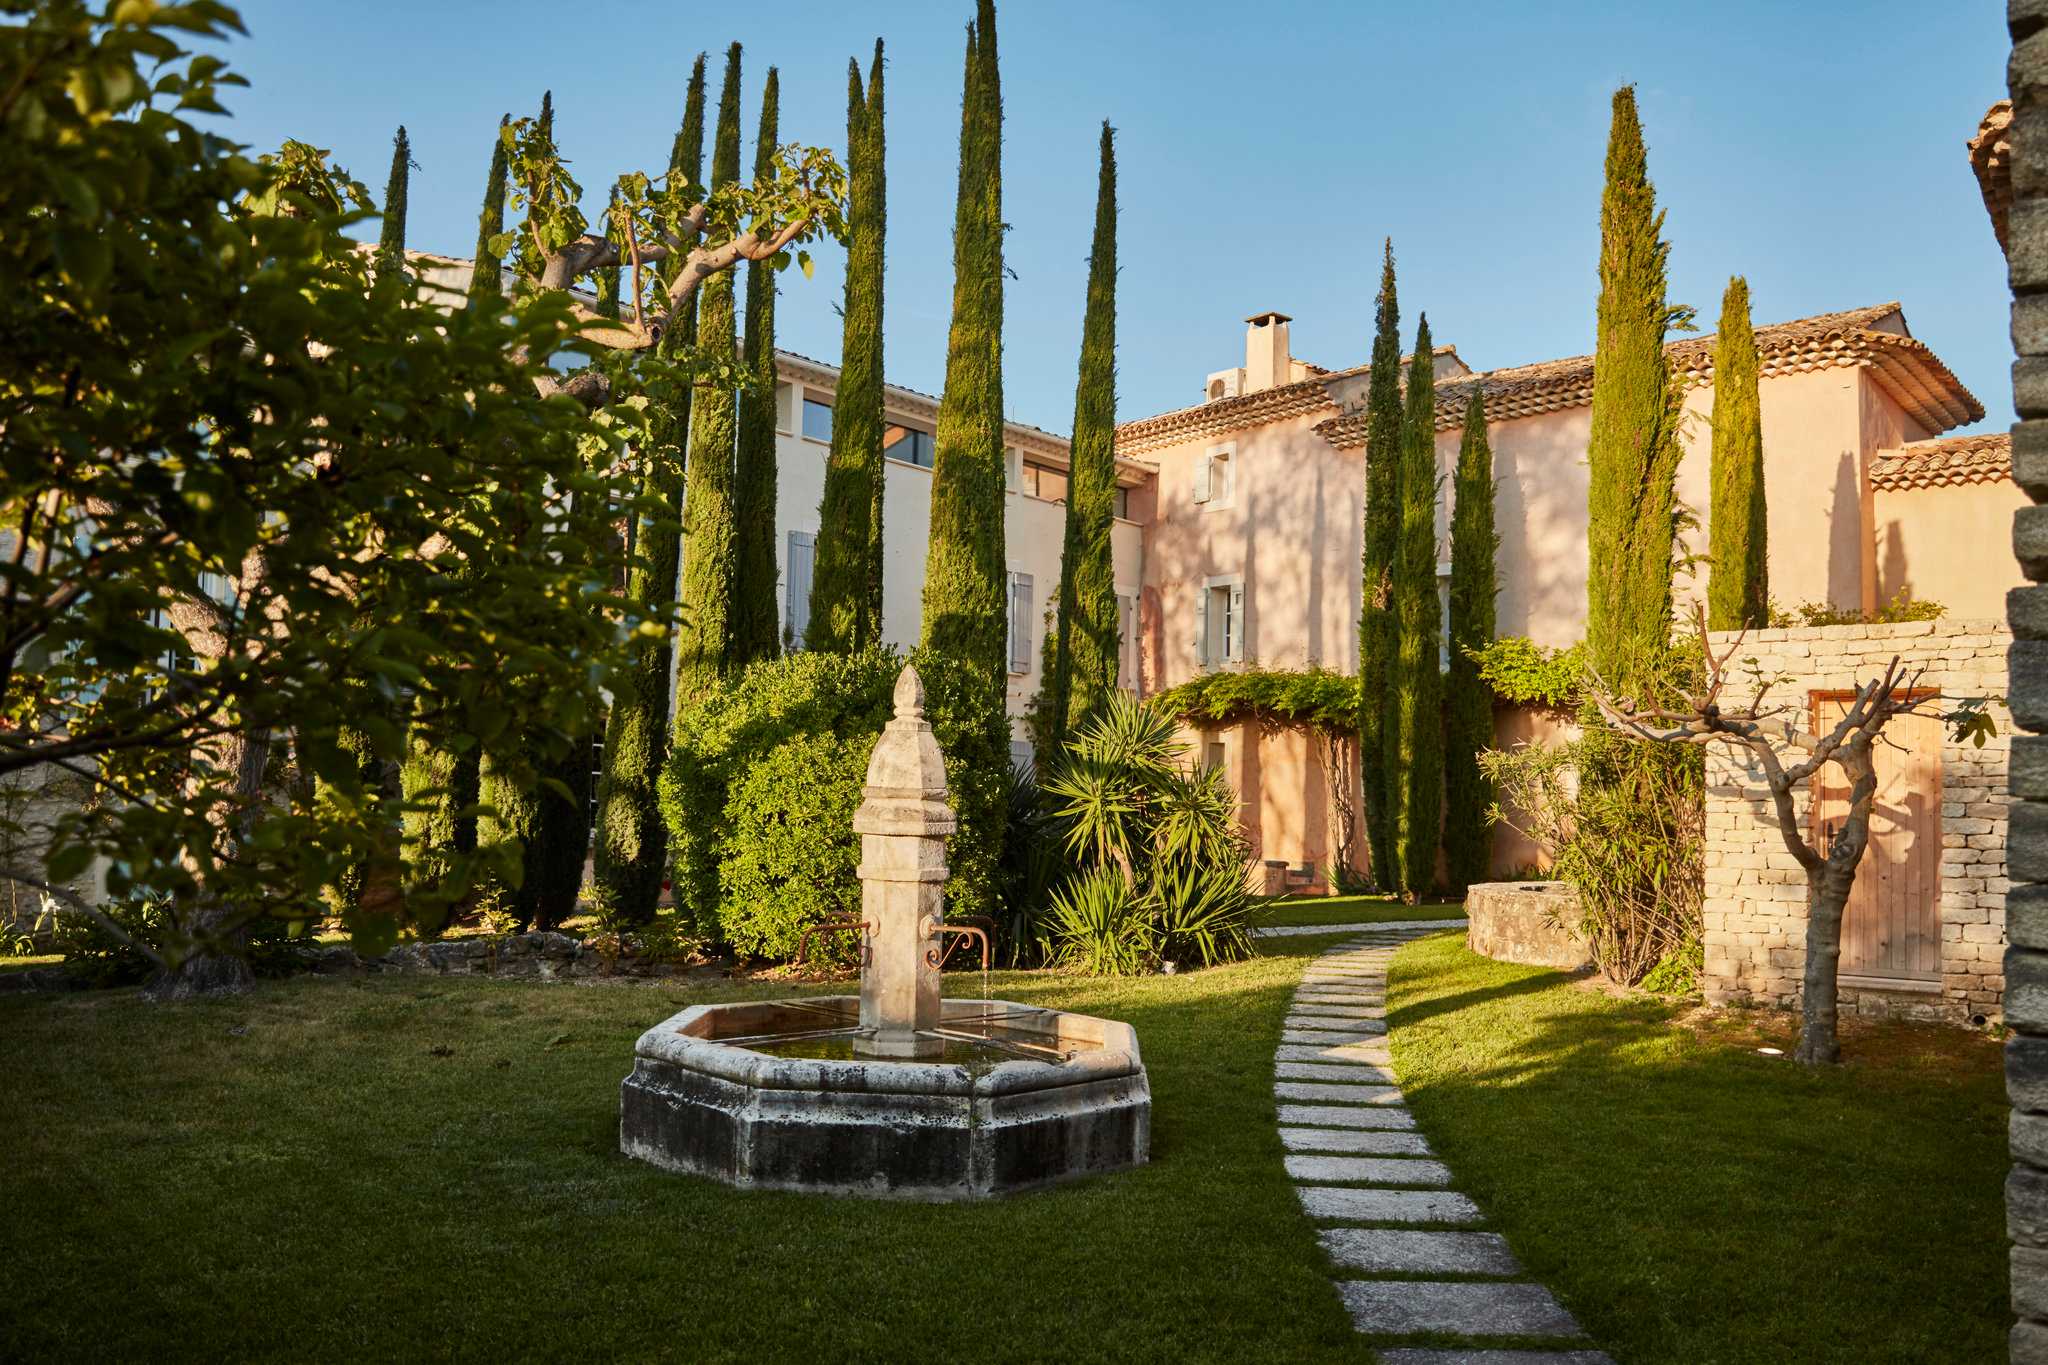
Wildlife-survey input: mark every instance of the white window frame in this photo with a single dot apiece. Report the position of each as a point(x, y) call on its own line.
point(1018, 601)
point(804, 406)
point(787, 394)
point(1234, 622)
point(1207, 494)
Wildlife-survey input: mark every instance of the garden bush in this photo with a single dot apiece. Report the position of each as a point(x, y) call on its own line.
point(1162, 866)
point(101, 957)
point(763, 777)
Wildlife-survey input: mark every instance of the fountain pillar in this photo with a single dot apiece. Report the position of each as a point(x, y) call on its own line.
point(903, 822)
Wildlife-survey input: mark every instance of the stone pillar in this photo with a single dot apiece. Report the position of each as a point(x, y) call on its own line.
point(2026, 961)
point(903, 822)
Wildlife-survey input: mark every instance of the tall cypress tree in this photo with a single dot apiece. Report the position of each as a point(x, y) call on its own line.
point(632, 843)
point(1381, 543)
point(704, 630)
point(844, 613)
point(1468, 702)
point(756, 627)
point(1632, 451)
point(485, 285)
point(1083, 672)
point(1738, 583)
point(1417, 791)
point(965, 637)
point(391, 237)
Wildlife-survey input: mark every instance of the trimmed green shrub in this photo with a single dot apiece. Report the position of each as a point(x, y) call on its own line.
point(763, 777)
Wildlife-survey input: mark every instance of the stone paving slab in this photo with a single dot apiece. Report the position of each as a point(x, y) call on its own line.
point(1376, 975)
point(1379, 927)
point(1322, 1011)
point(1491, 1357)
point(1345, 1115)
point(1371, 1169)
point(1329, 1023)
point(1414, 1252)
point(1341, 995)
point(1354, 1204)
point(1357, 1141)
point(1459, 1308)
point(1373, 1053)
point(1360, 1073)
point(1325, 1034)
point(1336, 1094)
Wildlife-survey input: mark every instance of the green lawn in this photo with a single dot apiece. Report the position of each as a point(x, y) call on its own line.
point(1693, 1201)
point(392, 1167)
point(1356, 910)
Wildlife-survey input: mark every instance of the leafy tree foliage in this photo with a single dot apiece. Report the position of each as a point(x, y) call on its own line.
point(1415, 772)
point(1468, 702)
point(1632, 452)
point(755, 627)
point(1382, 539)
point(1738, 583)
point(846, 590)
point(1084, 663)
point(964, 656)
point(232, 479)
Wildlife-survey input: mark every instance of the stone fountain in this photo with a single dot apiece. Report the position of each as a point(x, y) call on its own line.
point(894, 1092)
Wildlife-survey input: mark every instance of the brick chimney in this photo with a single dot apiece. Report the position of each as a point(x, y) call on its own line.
point(1266, 359)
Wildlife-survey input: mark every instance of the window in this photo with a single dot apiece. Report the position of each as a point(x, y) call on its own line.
point(1021, 757)
point(1213, 756)
point(1216, 477)
point(1126, 641)
point(1123, 502)
point(1013, 469)
point(1020, 623)
point(909, 445)
point(1043, 481)
point(796, 618)
point(785, 408)
point(1219, 622)
point(817, 420)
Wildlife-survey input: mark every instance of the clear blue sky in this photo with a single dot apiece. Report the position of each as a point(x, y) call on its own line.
point(1264, 151)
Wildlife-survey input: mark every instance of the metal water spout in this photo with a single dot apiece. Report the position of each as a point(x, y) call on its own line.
point(903, 822)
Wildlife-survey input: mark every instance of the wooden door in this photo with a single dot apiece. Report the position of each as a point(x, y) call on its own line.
point(1891, 929)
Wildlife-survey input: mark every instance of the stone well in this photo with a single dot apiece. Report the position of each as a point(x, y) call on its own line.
point(1525, 922)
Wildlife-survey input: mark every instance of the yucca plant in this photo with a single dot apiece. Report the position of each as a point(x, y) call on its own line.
point(1161, 862)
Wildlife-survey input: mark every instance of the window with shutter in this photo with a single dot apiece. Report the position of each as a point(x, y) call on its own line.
point(1202, 479)
point(796, 618)
point(1233, 647)
point(1202, 628)
point(1020, 623)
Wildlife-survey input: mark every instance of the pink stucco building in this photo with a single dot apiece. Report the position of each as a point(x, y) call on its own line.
point(1251, 554)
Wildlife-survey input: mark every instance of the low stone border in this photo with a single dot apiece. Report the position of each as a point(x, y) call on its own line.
point(1312, 930)
point(1412, 1257)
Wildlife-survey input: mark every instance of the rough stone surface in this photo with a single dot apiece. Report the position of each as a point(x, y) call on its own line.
point(1372, 1169)
point(1316, 1034)
point(1345, 1115)
point(1425, 1356)
point(1526, 922)
point(1353, 1204)
point(1358, 1073)
point(1372, 1053)
point(1301, 1008)
point(1357, 1141)
point(1460, 1308)
point(1754, 910)
point(1407, 1251)
point(1336, 1092)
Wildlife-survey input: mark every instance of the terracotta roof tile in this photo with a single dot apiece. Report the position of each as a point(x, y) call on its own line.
point(1983, 458)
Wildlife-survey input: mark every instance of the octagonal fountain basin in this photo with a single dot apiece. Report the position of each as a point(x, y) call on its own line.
point(778, 1095)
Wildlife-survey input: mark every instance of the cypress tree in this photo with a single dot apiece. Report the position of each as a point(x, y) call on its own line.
point(1415, 794)
point(1738, 583)
point(703, 632)
point(1632, 451)
point(484, 279)
point(632, 843)
point(965, 637)
point(1083, 672)
point(756, 622)
point(845, 608)
point(391, 238)
point(1381, 542)
point(1468, 702)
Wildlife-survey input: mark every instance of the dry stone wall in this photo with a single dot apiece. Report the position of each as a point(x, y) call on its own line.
point(1526, 922)
point(1754, 911)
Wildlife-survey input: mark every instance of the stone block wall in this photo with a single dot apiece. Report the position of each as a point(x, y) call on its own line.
point(1525, 922)
point(2026, 961)
point(1754, 910)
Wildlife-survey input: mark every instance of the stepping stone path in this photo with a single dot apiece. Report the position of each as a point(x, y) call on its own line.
point(1411, 1255)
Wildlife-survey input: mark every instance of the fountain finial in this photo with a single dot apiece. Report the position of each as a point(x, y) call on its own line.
point(909, 694)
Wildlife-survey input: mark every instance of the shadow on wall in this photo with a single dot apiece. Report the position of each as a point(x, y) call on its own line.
point(1892, 576)
point(1315, 580)
point(1845, 559)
